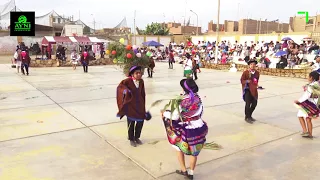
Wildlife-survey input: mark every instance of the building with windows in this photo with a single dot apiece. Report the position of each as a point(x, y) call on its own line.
point(299, 24)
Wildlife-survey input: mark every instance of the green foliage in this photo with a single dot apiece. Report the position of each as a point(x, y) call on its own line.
point(156, 29)
point(86, 30)
point(121, 57)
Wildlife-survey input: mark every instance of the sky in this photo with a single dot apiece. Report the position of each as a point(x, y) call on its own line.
point(108, 13)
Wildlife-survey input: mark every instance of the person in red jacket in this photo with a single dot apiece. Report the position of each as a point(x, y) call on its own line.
point(25, 62)
point(131, 100)
point(249, 81)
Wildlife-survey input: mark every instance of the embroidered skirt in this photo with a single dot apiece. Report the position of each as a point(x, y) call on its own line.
point(309, 109)
point(189, 141)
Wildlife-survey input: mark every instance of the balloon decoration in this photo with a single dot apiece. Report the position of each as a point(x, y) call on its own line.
point(129, 56)
point(115, 61)
point(114, 52)
point(193, 52)
point(134, 47)
point(128, 47)
point(121, 41)
point(149, 53)
point(108, 52)
point(138, 55)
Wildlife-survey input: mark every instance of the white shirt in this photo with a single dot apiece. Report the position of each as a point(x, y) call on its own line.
point(188, 65)
point(307, 95)
point(316, 66)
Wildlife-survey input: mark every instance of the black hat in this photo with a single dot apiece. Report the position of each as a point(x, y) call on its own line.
point(252, 61)
point(189, 85)
point(134, 68)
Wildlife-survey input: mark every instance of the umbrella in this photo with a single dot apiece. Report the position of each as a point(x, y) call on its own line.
point(152, 43)
point(281, 53)
point(286, 39)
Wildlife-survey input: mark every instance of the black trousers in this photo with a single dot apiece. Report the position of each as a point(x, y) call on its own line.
point(24, 66)
point(170, 64)
point(251, 104)
point(85, 68)
point(134, 129)
point(195, 74)
point(150, 72)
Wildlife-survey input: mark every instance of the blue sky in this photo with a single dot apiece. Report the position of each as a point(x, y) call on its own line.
point(108, 13)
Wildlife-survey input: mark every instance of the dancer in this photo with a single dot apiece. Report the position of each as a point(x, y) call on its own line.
point(131, 99)
point(308, 104)
point(17, 59)
point(85, 60)
point(186, 130)
point(195, 67)
point(25, 62)
point(171, 59)
point(188, 67)
point(74, 59)
point(150, 67)
point(249, 81)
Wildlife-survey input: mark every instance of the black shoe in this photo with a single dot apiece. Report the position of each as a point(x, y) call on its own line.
point(27, 74)
point(139, 142)
point(308, 137)
point(133, 144)
point(248, 120)
point(252, 119)
point(185, 173)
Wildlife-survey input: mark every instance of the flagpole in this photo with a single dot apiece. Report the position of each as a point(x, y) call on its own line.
point(267, 26)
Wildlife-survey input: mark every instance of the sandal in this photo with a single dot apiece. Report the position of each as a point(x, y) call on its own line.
point(309, 137)
point(304, 134)
point(184, 173)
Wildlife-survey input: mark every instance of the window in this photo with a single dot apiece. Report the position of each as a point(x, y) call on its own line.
point(53, 19)
point(59, 20)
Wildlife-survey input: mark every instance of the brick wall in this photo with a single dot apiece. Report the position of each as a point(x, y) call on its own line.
point(250, 26)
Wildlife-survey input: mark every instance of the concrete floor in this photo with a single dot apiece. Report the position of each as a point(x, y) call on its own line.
point(60, 124)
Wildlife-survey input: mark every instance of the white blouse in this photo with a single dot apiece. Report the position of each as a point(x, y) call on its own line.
point(191, 124)
point(307, 95)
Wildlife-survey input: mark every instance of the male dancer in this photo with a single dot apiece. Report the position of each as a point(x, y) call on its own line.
point(249, 81)
point(131, 100)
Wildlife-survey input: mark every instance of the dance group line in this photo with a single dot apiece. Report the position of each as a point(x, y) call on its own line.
point(186, 130)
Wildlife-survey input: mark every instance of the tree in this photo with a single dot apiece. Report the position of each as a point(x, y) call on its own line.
point(156, 29)
point(86, 30)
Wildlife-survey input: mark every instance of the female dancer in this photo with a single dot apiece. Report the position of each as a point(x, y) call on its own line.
point(186, 130)
point(308, 104)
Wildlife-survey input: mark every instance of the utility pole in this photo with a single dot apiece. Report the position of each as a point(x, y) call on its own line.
point(134, 27)
point(217, 41)
point(260, 27)
point(94, 26)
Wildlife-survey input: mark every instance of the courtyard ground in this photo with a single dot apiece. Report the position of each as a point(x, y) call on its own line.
point(59, 124)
